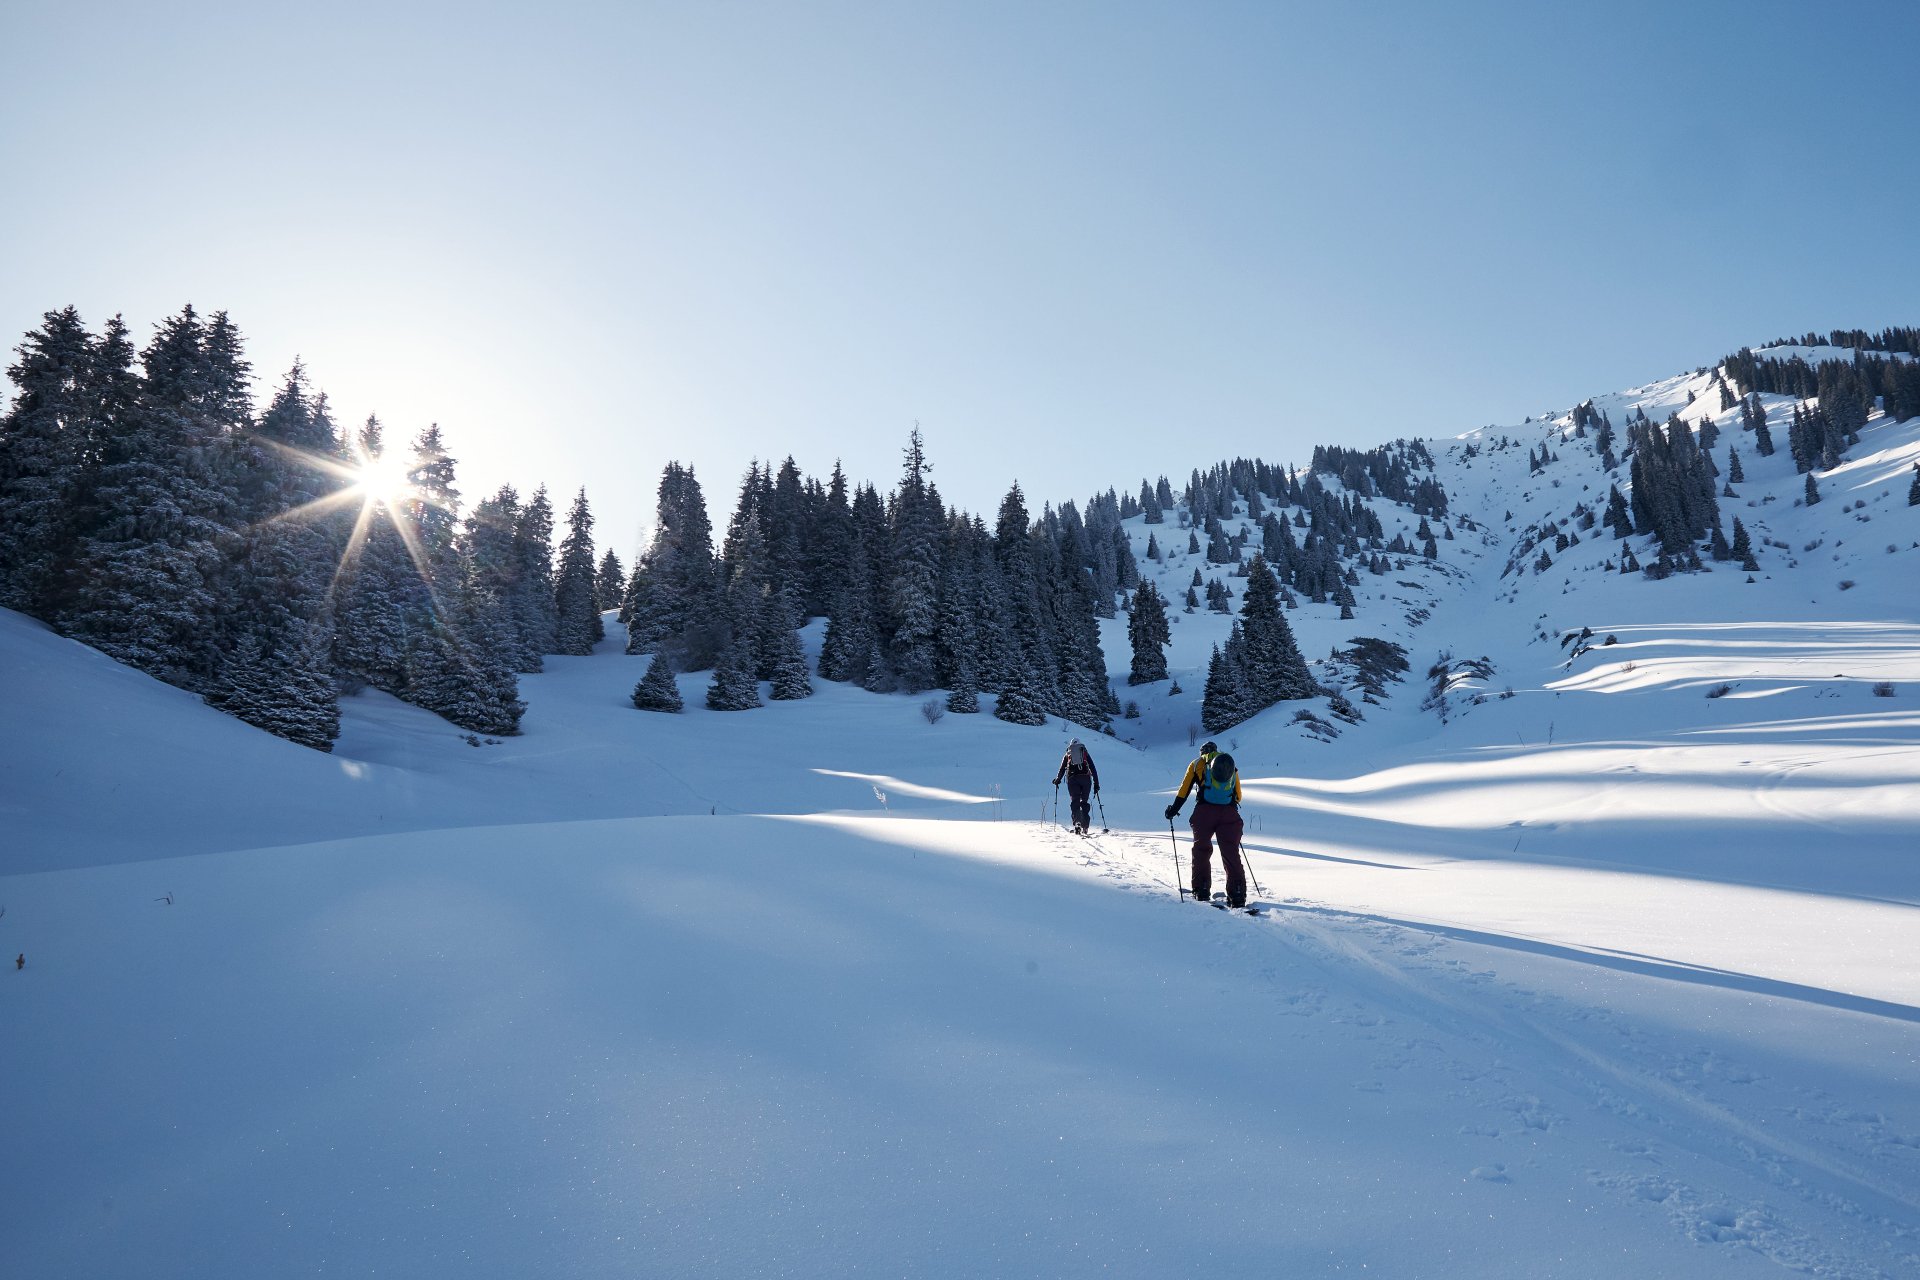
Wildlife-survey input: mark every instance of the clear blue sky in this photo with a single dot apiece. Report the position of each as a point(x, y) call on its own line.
point(1077, 243)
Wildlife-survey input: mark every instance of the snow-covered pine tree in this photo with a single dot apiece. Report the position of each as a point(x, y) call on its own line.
point(609, 583)
point(913, 577)
point(1742, 549)
point(288, 690)
point(1276, 670)
point(1813, 490)
point(535, 624)
point(1021, 555)
point(146, 566)
point(1913, 490)
point(46, 443)
point(850, 641)
point(733, 687)
point(1148, 630)
point(276, 612)
point(790, 680)
point(372, 612)
point(495, 553)
point(1016, 703)
point(957, 642)
point(657, 690)
point(576, 608)
point(684, 591)
point(786, 525)
point(965, 698)
point(1219, 709)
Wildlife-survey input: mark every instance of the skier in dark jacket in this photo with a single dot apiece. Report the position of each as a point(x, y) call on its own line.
point(1216, 815)
point(1083, 780)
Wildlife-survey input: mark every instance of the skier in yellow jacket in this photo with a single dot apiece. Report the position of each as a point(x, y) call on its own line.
point(1216, 815)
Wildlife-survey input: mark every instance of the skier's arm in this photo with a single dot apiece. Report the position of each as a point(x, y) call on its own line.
point(1188, 783)
point(1061, 772)
point(1094, 769)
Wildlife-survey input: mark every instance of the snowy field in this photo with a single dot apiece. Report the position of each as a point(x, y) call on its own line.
point(1608, 978)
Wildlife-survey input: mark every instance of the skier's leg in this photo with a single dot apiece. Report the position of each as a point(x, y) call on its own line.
point(1231, 828)
point(1202, 859)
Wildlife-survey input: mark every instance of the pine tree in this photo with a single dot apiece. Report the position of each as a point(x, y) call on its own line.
point(289, 692)
point(460, 680)
point(46, 442)
point(609, 584)
point(146, 568)
point(850, 638)
point(1017, 704)
point(1148, 630)
point(790, 680)
point(657, 690)
point(276, 613)
point(372, 615)
point(733, 687)
point(683, 597)
point(1813, 490)
point(1913, 490)
point(1227, 699)
point(1742, 549)
point(532, 604)
point(965, 698)
point(1275, 669)
point(913, 580)
point(1734, 474)
point(575, 604)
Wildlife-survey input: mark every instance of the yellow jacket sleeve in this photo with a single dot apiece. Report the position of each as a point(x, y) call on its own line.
point(1189, 782)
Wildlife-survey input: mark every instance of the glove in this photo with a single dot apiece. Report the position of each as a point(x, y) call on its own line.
point(1173, 811)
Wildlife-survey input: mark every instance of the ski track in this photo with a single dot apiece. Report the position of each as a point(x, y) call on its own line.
point(1408, 1002)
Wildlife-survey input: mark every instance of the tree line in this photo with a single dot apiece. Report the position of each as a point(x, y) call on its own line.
point(146, 509)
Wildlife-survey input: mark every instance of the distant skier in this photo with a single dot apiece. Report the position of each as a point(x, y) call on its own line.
point(1216, 815)
point(1083, 780)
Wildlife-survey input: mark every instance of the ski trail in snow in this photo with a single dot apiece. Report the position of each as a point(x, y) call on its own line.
point(1330, 959)
point(1716, 1134)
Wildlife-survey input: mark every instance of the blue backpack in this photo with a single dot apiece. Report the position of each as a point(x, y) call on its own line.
point(1216, 781)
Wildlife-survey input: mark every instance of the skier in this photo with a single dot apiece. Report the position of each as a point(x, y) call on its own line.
point(1216, 815)
point(1082, 780)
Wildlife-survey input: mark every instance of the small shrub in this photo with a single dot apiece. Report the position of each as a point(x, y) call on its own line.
point(1720, 691)
point(932, 710)
point(1132, 712)
point(1846, 584)
point(1884, 689)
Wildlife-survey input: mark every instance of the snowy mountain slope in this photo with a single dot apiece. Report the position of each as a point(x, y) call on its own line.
point(1605, 978)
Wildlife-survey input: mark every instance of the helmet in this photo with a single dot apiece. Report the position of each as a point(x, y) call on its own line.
point(1207, 747)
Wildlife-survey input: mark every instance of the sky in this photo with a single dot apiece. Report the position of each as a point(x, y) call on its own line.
point(1078, 244)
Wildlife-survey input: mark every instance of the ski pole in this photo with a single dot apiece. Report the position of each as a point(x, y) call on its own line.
point(1177, 886)
point(1056, 804)
point(1246, 860)
point(1104, 828)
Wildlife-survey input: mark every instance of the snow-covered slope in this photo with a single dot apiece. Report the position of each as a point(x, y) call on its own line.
point(1608, 977)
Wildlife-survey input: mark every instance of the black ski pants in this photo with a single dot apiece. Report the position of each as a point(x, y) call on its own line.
point(1079, 787)
point(1218, 822)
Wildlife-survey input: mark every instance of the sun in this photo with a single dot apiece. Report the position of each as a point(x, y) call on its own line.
point(383, 480)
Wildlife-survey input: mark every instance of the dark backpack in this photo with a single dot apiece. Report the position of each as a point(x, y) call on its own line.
point(1216, 784)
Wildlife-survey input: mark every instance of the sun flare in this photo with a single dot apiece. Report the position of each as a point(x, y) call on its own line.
point(384, 480)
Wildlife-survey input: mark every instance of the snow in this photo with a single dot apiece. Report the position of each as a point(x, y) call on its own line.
point(1608, 977)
